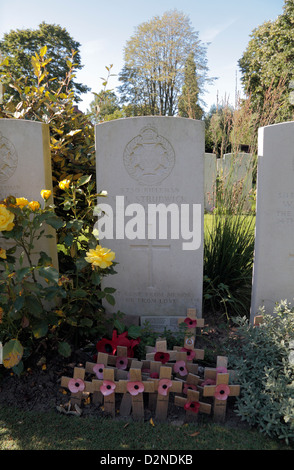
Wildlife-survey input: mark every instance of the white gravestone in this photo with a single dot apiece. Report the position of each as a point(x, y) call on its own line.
point(150, 164)
point(25, 168)
point(273, 276)
point(210, 175)
point(237, 168)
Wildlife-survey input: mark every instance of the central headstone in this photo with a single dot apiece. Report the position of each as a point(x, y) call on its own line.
point(152, 169)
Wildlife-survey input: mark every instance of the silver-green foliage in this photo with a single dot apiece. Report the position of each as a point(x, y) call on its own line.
point(264, 360)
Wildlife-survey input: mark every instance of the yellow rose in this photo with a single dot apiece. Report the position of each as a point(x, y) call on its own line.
point(6, 219)
point(101, 257)
point(2, 253)
point(64, 184)
point(34, 205)
point(45, 193)
point(21, 202)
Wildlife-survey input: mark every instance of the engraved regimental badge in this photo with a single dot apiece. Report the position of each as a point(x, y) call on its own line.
point(149, 158)
point(8, 159)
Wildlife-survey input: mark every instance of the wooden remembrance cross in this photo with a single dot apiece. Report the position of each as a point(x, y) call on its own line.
point(192, 405)
point(164, 385)
point(77, 385)
point(192, 323)
point(136, 387)
point(221, 391)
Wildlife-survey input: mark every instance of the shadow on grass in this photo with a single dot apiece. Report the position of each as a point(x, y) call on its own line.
point(50, 431)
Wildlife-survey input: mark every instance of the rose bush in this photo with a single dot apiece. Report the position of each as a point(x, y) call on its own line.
point(61, 306)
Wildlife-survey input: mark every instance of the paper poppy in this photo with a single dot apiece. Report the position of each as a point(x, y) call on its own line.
point(134, 388)
point(161, 357)
point(222, 392)
point(190, 353)
point(121, 362)
point(187, 387)
point(190, 322)
point(192, 406)
point(163, 386)
point(180, 368)
point(76, 385)
point(98, 370)
point(107, 388)
point(208, 382)
point(154, 375)
point(221, 370)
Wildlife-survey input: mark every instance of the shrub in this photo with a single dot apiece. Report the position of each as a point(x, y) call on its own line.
point(263, 358)
point(60, 306)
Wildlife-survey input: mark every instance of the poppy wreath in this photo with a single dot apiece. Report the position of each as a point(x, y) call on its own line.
point(109, 346)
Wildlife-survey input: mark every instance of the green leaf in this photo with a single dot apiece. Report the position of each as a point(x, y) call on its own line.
point(21, 273)
point(34, 306)
point(49, 273)
point(119, 326)
point(83, 180)
point(86, 322)
point(110, 299)
point(12, 353)
point(109, 290)
point(55, 222)
point(19, 303)
point(64, 349)
point(18, 369)
point(40, 329)
point(134, 331)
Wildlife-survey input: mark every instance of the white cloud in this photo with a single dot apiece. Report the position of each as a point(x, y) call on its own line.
point(209, 34)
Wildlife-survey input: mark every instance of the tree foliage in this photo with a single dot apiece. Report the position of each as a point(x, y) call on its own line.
point(21, 44)
point(71, 132)
point(155, 58)
point(268, 61)
point(188, 105)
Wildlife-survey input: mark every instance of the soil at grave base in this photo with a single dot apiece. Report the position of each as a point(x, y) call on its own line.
point(38, 389)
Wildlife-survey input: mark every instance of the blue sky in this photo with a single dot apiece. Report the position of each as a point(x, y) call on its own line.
point(102, 27)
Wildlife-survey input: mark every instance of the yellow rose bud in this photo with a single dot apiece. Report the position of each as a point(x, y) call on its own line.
point(45, 193)
point(64, 184)
point(34, 205)
point(101, 257)
point(2, 254)
point(6, 219)
point(21, 202)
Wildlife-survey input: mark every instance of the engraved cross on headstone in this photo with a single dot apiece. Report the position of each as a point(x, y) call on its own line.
point(152, 249)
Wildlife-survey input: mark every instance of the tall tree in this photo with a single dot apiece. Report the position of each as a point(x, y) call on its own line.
point(188, 101)
point(268, 62)
point(19, 46)
point(155, 58)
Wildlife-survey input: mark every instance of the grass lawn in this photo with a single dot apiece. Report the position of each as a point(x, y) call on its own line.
point(21, 430)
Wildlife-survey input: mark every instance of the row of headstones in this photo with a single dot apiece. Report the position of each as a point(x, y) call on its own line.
point(159, 160)
point(122, 383)
point(234, 170)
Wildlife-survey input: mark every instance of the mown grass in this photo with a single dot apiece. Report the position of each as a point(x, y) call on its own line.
point(21, 430)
